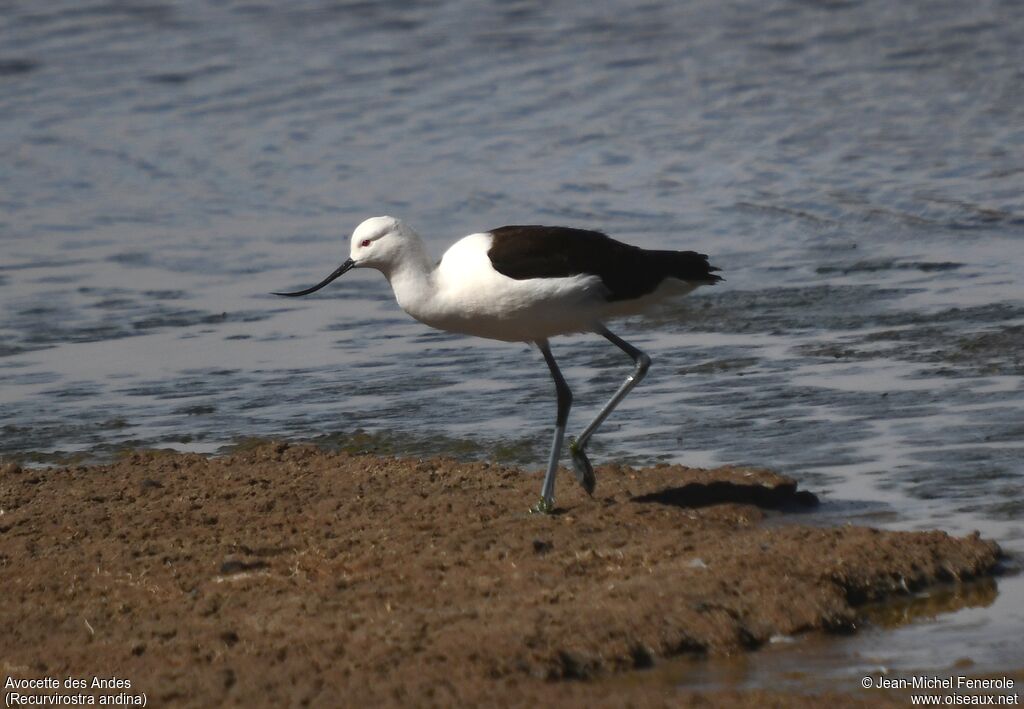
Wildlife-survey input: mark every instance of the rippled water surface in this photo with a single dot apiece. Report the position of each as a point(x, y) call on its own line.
point(855, 167)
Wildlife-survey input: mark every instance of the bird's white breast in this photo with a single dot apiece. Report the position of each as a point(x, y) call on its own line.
point(470, 297)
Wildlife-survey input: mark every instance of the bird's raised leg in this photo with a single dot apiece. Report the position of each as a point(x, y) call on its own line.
point(580, 462)
point(547, 493)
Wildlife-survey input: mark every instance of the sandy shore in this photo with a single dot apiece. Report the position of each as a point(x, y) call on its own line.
point(287, 575)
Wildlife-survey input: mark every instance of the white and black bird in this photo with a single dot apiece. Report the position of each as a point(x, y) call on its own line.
point(528, 284)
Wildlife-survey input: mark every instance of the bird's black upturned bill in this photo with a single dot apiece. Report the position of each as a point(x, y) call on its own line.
point(340, 270)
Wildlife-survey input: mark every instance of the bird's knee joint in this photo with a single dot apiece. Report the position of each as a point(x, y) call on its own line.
point(564, 404)
point(643, 363)
point(565, 397)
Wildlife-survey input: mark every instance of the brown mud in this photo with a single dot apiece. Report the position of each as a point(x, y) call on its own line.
point(288, 575)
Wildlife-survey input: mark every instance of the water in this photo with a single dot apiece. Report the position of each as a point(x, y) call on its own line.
point(856, 169)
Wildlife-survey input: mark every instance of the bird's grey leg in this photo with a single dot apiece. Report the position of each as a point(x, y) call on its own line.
point(547, 493)
point(641, 362)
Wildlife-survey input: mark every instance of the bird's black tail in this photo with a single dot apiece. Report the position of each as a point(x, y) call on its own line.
point(688, 266)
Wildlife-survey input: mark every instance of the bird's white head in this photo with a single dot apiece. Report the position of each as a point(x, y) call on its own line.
point(383, 243)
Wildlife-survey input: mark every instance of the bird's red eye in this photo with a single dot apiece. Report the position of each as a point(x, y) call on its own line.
point(364, 243)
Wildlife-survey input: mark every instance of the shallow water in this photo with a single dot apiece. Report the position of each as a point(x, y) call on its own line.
point(856, 169)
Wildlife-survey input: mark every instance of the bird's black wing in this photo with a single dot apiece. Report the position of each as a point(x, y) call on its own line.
point(534, 251)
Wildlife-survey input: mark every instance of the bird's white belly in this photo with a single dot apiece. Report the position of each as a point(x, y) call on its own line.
point(503, 308)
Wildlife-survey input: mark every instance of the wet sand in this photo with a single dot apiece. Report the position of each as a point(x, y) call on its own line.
point(288, 575)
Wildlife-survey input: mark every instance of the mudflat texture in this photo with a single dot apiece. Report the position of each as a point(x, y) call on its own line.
point(288, 575)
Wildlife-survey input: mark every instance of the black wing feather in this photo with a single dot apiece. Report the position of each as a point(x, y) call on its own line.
point(534, 251)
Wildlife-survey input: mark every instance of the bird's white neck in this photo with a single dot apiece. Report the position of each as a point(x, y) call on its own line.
point(412, 277)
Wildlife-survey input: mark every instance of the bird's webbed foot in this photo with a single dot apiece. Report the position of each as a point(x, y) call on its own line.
point(581, 466)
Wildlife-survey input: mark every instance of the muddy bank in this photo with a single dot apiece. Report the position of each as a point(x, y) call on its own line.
point(286, 574)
